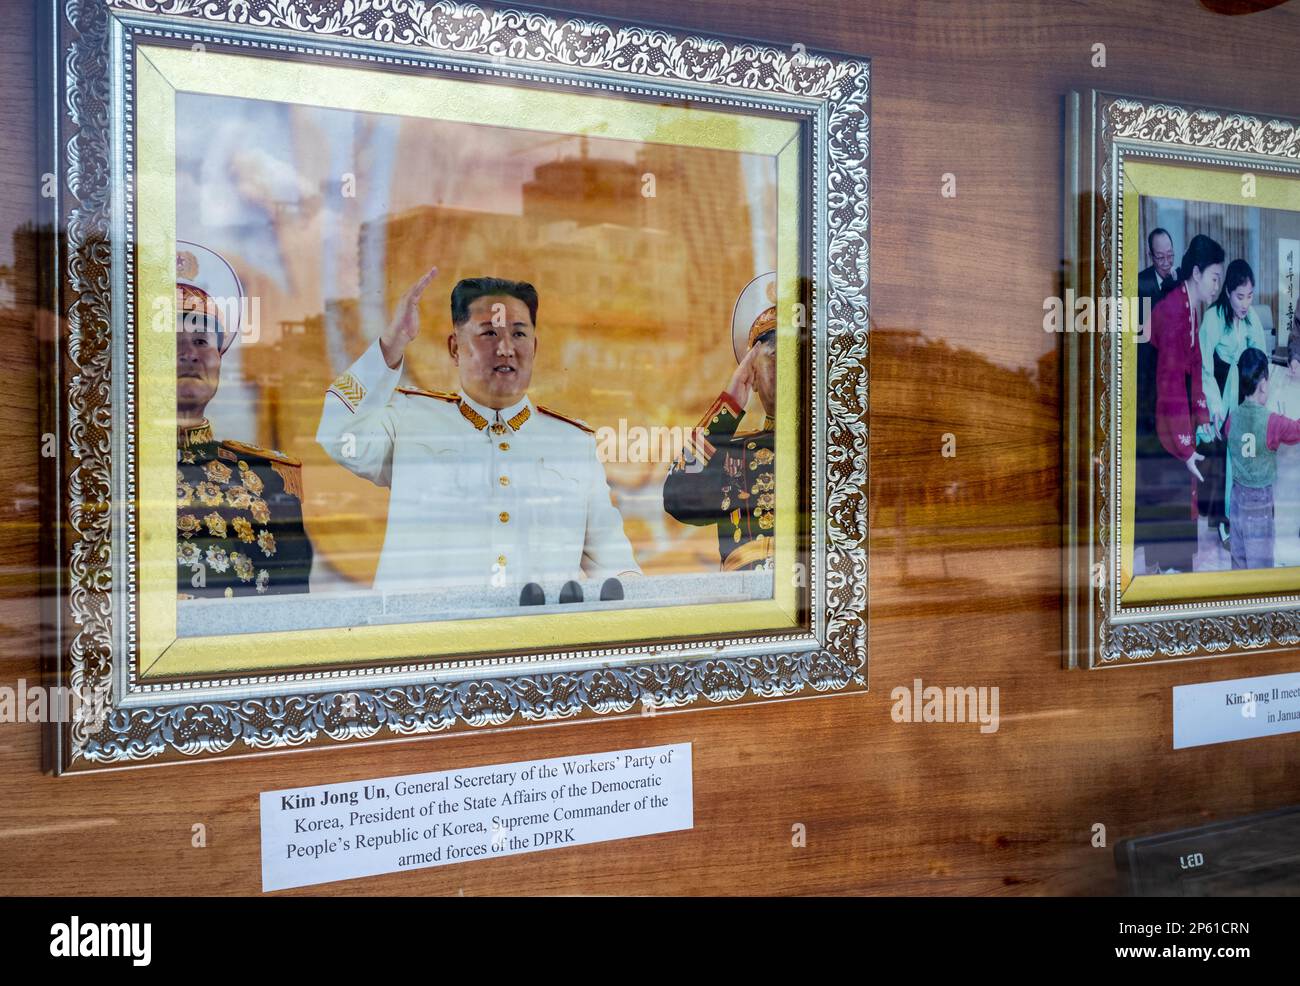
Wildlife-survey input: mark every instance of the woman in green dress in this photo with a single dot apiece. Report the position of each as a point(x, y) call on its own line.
point(1229, 327)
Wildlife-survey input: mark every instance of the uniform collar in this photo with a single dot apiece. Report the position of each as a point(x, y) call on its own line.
point(199, 434)
point(481, 416)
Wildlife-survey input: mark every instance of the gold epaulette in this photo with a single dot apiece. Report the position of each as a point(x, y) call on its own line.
point(266, 453)
point(769, 425)
point(564, 417)
point(722, 405)
point(436, 394)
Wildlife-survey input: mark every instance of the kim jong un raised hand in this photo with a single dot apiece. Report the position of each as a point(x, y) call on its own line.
point(405, 325)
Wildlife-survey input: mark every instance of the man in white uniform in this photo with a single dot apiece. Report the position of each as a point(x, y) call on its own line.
point(488, 489)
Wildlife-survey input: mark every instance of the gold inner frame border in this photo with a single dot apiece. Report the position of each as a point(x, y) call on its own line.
point(161, 71)
point(1213, 183)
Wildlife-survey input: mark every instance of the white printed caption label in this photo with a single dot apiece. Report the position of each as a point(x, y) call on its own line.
point(342, 831)
point(1236, 709)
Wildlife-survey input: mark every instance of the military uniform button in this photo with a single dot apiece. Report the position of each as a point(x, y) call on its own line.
point(498, 429)
point(503, 517)
point(750, 445)
point(501, 560)
point(504, 446)
point(504, 480)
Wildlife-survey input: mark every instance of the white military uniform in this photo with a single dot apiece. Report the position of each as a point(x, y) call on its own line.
point(480, 497)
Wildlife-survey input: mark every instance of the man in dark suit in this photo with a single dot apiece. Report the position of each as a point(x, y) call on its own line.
point(1153, 284)
point(1156, 280)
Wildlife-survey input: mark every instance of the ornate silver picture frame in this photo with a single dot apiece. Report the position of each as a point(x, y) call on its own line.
point(161, 677)
point(1174, 218)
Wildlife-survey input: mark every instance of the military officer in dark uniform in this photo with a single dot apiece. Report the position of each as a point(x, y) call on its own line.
point(239, 529)
point(727, 479)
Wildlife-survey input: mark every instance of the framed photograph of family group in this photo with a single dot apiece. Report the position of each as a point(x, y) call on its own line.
point(1182, 382)
point(420, 367)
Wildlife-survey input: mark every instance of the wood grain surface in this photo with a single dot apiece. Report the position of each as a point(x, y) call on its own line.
point(965, 560)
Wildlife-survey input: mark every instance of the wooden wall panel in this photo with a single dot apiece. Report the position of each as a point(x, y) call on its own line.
point(965, 566)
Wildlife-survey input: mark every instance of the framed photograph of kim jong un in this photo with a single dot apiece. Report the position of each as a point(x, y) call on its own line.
point(424, 367)
point(1182, 382)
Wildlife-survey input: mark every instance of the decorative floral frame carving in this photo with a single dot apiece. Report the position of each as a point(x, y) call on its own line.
point(283, 711)
point(1102, 129)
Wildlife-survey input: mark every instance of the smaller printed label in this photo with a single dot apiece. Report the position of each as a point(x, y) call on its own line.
point(1236, 709)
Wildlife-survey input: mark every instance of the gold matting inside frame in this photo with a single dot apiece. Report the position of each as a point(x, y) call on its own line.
point(1201, 183)
point(161, 72)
